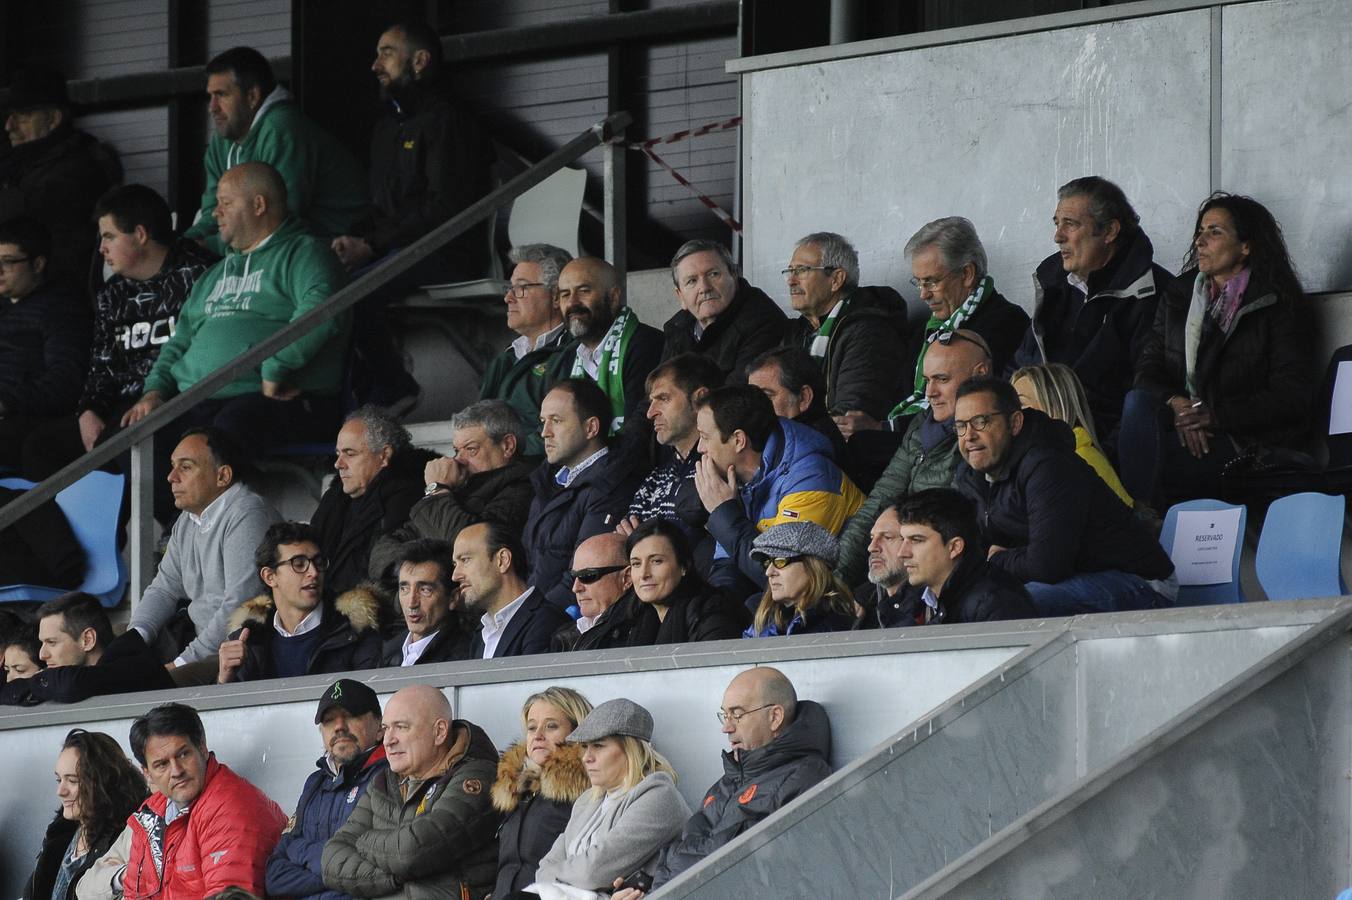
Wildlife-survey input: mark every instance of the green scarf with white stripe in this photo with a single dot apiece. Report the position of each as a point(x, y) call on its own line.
point(917, 403)
point(610, 364)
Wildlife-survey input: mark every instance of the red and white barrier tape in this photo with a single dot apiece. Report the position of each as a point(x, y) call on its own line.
point(646, 148)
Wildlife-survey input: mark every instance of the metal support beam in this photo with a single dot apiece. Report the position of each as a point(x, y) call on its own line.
point(141, 543)
point(616, 197)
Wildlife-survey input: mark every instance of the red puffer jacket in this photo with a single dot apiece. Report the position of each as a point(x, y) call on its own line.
point(223, 839)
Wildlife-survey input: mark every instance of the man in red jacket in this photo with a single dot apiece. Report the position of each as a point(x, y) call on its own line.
point(205, 828)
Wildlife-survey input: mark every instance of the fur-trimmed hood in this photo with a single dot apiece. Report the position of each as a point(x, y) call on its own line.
point(360, 606)
point(562, 778)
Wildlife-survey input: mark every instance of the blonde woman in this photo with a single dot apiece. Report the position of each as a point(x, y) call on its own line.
point(1056, 390)
point(802, 594)
point(538, 780)
point(632, 810)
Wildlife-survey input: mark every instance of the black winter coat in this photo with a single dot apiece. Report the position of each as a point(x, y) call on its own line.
point(454, 642)
point(295, 867)
point(861, 355)
point(975, 591)
point(755, 784)
point(535, 804)
point(529, 631)
point(54, 845)
point(611, 628)
point(696, 612)
point(349, 637)
point(1259, 381)
point(57, 179)
point(501, 495)
point(1001, 323)
point(127, 666)
point(44, 351)
point(563, 517)
point(429, 160)
point(348, 528)
point(1110, 331)
point(1055, 514)
point(752, 324)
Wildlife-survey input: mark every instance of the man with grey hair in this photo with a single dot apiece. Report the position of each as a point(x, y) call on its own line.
point(948, 266)
point(721, 316)
point(1094, 299)
point(853, 331)
point(486, 479)
point(517, 375)
point(379, 480)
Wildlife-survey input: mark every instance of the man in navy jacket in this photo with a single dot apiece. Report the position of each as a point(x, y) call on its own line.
point(349, 723)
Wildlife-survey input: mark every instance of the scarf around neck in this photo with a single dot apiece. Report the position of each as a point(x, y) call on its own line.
point(610, 364)
point(916, 402)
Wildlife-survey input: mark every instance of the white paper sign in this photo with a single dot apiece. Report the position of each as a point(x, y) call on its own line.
point(1204, 545)
point(1340, 411)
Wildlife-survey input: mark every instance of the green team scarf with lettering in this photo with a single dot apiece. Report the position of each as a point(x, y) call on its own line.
point(610, 364)
point(916, 402)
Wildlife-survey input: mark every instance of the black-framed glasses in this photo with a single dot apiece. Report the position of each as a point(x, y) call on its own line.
point(780, 562)
point(932, 284)
point(594, 574)
point(953, 337)
point(977, 423)
point(300, 563)
point(800, 271)
point(737, 716)
point(519, 289)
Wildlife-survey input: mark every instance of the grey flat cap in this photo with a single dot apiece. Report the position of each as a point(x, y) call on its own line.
point(618, 716)
point(797, 539)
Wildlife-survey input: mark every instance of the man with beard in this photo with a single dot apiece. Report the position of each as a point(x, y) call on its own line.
point(349, 726)
point(610, 345)
point(257, 120)
point(429, 160)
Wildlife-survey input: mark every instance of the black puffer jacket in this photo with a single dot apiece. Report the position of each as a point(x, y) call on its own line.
point(57, 179)
point(975, 591)
point(696, 612)
point(752, 324)
point(1259, 380)
point(349, 638)
point(429, 160)
point(755, 784)
point(861, 355)
point(1055, 514)
point(536, 804)
point(611, 628)
point(1110, 333)
point(44, 351)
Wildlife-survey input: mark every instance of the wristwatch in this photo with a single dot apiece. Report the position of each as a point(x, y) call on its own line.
point(433, 487)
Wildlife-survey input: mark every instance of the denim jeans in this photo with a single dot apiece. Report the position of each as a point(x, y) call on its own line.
point(1092, 592)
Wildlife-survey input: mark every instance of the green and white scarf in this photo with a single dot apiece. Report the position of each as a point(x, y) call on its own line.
point(916, 403)
point(610, 364)
point(822, 339)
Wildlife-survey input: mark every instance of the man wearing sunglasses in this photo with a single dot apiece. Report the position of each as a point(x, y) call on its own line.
point(1048, 518)
point(600, 576)
point(291, 630)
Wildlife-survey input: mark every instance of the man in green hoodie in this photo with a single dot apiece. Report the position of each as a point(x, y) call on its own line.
point(257, 120)
point(273, 273)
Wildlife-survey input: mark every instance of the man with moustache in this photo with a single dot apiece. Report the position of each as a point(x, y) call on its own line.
point(349, 728)
point(610, 345)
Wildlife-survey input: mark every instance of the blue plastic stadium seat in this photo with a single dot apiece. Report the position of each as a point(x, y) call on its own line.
point(1206, 594)
point(91, 506)
point(1300, 549)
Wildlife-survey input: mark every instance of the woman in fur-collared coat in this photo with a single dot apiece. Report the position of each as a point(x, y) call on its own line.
point(538, 780)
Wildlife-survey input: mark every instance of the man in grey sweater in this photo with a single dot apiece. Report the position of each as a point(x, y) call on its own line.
point(210, 558)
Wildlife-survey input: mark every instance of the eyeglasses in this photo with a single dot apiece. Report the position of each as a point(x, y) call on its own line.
point(737, 716)
point(952, 337)
point(978, 423)
point(10, 262)
point(594, 574)
point(800, 271)
point(932, 284)
point(519, 289)
point(780, 562)
point(300, 563)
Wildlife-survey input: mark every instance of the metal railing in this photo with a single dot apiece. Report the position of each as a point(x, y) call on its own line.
point(137, 438)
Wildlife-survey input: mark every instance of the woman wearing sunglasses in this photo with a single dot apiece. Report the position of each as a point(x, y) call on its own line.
point(802, 594)
point(677, 605)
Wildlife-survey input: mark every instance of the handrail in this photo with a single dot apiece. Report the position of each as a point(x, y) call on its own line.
point(338, 302)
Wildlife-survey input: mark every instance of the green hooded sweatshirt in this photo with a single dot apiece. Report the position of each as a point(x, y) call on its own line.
point(324, 185)
point(246, 297)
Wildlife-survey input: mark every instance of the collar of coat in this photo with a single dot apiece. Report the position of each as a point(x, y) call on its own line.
point(360, 606)
point(562, 778)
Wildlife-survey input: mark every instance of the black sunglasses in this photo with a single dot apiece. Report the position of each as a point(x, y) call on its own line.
point(594, 574)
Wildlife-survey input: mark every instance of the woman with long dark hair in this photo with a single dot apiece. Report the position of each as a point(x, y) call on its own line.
point(1228, 369)
point(676, 605)
point(98, 788)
